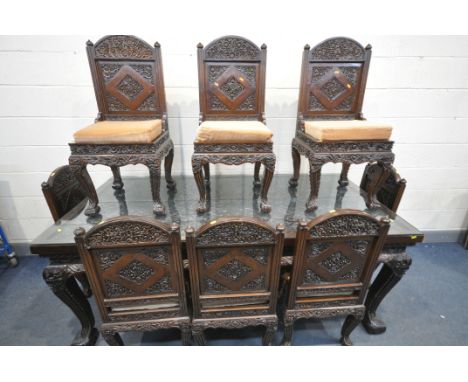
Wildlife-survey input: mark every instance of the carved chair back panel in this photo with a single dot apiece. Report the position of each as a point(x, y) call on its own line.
point(135, 266)
point(236, 263)
point(128, 78)
point(338, 255)
point(63, 192)
point(231, 79)
point(390, 186)
point(334, 75)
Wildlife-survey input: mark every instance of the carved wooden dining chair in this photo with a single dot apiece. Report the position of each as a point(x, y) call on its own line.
point(232, 131)
point(234, 274)
point(63, 192)
point(135, 269)
point(333, 262)
point(131, 127)
point(384, 184)
point(330, 124)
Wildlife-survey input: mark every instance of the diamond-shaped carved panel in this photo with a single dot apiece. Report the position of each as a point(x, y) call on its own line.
point(129, 87)
point(136, 272)
point(339, 261)
point(234, 271)
point(232, 88)
point(335, 262)
point(333, 89)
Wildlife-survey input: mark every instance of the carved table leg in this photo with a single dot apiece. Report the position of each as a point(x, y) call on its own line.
point(267, 178)
point(288, 333)
point(112, 338)
point(344, 174)
point(155, 178)
point(199, 337)
point(351, 323)
point(83, 280)
point(118, 184)
point(197, 173)
point(296, 164)
point(390, 274)
point(81, 173)
point(257, 181)
point(314, 177)
point(206, 170)
point(170, 182)
point(269, 335)
point(60, 278)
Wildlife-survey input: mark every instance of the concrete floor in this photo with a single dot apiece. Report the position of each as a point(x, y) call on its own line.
point(428, 307)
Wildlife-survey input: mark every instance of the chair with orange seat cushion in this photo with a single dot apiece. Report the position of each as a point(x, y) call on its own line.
point(131, 127)
point(330, 125)
point(231, 73)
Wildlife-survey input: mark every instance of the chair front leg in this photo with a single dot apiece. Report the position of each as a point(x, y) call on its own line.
point(206, 170)
point(118, 184)
point(288, 333)
point(198, 174)
point(296, 166)
point(344, 174)
point(349, 325)
point(257, 182)
point(199, 337)
point(186, 335)
point(155, 177)
point(265, 207)
point(170, 183)
point(81, 173)
point(112, 338)
point(269, 335)
point(314, 178)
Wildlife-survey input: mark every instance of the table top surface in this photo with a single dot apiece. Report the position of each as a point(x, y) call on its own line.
point(230, 195)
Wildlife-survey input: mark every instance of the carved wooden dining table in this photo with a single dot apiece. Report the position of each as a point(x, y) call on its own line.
point(231, 195)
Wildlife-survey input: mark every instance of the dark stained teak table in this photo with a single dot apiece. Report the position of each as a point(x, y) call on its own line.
point(229, 196)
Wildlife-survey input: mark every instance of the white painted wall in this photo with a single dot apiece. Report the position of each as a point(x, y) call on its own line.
point(417, 83)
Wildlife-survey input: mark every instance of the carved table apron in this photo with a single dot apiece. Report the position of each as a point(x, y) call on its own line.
point(65, 267)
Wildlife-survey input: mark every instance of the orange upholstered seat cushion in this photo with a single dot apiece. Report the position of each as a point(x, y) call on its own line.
point(233, 132)
point(347, 130)
point(108, 132)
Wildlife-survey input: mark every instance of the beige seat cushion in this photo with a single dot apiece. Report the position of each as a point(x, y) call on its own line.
point(233, 132)
point(347, 130)
point(107, 132)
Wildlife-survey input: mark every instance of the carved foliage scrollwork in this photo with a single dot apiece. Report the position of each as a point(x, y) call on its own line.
point(236, 233)
point(268, 159)
point(345, 225)
point(232, 48)
point(126, 233)
point(123, 47)
point(337, 49)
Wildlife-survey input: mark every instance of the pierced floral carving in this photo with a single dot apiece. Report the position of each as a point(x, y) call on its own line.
point(123, 47)
point(234, 270)
point(335, 262)
point(346, 225)
point(129, 87)
point(136, 272)
point(257, 283)
point(337, 49)
point(126, 233)
point(232, 48)
point(116, 290)
point(236, 233)
point(232, 88)
point(234, 148)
